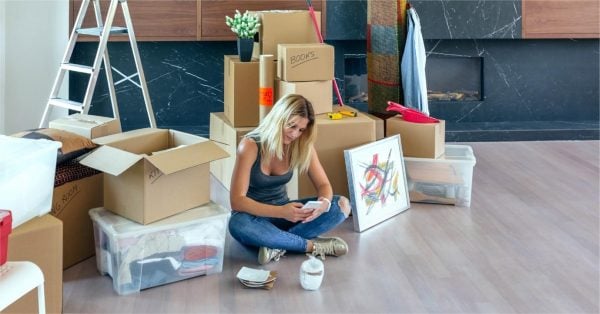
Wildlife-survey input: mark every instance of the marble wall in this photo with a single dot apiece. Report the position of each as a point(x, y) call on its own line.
point(468, 19)
point(532, 89)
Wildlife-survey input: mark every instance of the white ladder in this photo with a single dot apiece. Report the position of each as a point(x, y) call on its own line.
point(103, 32)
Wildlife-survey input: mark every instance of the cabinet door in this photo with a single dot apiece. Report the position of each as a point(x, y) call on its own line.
point(213, 12)
point(152, 20)
point(561, 19)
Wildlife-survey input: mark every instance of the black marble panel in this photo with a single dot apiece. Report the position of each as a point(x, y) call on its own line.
point(469, 19)
point(440, 19)
point(185, 82)
point(346, 19)
point(526, 80)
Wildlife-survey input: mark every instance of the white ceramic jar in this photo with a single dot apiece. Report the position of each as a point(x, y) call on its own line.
point(311, 273)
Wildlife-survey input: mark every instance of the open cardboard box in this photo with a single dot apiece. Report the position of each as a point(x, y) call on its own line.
point(151, 174)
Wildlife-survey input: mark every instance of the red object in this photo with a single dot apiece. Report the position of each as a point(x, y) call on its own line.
point(311, 10)
point(410, 115)
point(5, 229)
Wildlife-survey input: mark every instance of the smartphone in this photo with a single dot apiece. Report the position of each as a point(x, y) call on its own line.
point(312, 205)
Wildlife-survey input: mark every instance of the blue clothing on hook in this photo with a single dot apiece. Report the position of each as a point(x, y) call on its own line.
point(414, 82)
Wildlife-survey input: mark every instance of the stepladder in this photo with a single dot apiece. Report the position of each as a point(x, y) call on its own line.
point(103, 30)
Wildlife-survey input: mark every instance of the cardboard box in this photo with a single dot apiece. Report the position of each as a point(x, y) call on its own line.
point(305, 62)
point(284, 27)
point(151, 174)
point(227, 137)
point(27, 176)
point(379, 125)
point(333, 137)
point(39, 240)
point(71, 203)
point(182, 246)
point(319, 93)
point(424, 140)
point(444, 180)
point(240, 95)
point(87, 125)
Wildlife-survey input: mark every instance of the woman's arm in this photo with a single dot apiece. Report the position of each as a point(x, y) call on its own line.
point(317, 175)
point(240, 180)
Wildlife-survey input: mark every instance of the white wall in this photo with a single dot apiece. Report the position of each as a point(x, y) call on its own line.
point(2, 67)
point(35, 34)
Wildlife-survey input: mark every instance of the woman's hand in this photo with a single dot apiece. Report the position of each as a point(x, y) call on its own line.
point(294, 212)
point(317, 211)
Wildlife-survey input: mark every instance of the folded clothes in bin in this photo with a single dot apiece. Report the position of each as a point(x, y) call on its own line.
point(444, 180)
point(163, 268)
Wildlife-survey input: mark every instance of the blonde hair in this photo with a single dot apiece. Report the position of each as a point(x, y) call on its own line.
point(269, 133)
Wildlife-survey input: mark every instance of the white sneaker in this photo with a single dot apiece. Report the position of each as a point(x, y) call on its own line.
point(266, 255)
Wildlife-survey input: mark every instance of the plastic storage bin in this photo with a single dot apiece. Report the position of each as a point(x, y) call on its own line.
point(138, 256)
point(444, 180)
point(27, 169)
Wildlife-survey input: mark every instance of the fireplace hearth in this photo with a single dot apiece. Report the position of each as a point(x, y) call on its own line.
point(454, 78)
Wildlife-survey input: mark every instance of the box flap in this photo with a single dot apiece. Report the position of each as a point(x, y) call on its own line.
point(114, 138)
point(111, 160)
point(184, 157)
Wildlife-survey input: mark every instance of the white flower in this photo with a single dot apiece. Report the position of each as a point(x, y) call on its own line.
point(243, 25)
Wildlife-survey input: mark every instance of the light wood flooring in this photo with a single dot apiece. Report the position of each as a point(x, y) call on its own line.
point(528, 244)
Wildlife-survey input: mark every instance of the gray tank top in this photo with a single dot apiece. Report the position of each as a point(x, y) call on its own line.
point(265, 188)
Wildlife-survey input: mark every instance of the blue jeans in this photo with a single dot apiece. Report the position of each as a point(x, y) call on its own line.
point(279, 233)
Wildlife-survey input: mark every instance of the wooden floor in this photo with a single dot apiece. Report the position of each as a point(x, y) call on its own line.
point(528, 244)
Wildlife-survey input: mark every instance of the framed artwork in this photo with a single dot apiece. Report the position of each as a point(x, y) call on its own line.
point(376, 182)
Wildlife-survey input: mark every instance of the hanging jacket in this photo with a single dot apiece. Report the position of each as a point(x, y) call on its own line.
point(414, 82)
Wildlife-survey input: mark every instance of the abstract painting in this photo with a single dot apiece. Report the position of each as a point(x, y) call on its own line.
point(376, 182)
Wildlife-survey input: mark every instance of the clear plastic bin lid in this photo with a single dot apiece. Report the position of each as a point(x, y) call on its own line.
point(454, 153)
point(117, 225)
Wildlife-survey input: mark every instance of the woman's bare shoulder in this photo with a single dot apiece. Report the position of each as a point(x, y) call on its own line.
point(247, 146)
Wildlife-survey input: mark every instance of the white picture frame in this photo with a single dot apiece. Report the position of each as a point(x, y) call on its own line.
point(376, 182)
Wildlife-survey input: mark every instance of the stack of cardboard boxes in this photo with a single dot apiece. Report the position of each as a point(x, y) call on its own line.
point(304, 66)
point(157, 210)
point(306, 69)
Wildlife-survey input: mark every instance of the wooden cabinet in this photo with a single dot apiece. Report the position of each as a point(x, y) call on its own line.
point(167, 20)
point(213, 12)
point(185, 20)
point(561, 19)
